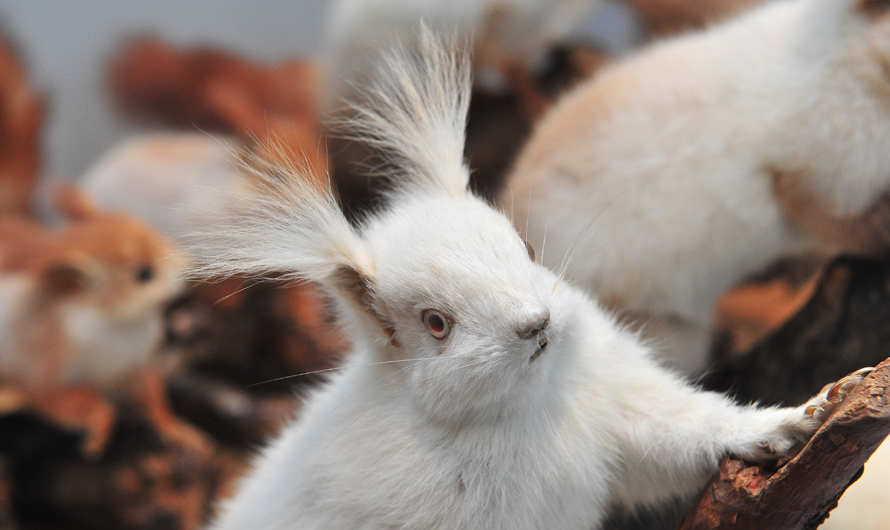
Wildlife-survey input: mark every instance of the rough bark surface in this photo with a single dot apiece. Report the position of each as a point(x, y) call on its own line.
point(800, 494)
point(841, 327)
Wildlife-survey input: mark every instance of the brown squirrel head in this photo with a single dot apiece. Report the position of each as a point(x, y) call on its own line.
point(96, 290)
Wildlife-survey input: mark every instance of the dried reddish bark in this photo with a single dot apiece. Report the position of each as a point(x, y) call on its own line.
point(842, 324)
point(213, 90)
point(800, 494)
point(78, 410)
point(141, 480)
point(245, 346)
point(6, 514)
point(22, 113)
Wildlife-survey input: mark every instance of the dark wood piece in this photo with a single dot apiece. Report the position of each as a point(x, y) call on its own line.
point(800, 495)
point(841, 328)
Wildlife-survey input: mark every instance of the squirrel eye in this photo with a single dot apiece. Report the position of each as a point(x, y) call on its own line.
point(530, 250)
point(144, 273)
point(436, 323)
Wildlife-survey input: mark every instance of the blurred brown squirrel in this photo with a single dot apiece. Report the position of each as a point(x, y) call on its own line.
point(82, 305)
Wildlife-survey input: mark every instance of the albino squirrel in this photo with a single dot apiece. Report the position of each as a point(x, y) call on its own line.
point(483, 390)
point(668, 177)
point(84, 305)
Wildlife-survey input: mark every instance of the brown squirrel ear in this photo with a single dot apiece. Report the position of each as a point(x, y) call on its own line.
point(71, 202)
point(64, 277)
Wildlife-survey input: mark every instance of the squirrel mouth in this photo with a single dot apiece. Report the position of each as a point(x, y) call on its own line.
point(542, 343)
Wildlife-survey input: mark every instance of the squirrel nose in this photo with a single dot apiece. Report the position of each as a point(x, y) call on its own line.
point(535, 327)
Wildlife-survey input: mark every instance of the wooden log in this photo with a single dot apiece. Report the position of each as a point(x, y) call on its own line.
point(800, 494)
point(6, 516)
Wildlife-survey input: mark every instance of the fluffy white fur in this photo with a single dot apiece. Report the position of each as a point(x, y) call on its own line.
point(536, 411)
point(668, 177)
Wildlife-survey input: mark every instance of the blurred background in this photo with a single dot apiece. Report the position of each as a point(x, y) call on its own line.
point(66, 46)
point(134, 398)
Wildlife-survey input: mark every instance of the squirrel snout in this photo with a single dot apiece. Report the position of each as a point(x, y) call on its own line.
point(535, 326)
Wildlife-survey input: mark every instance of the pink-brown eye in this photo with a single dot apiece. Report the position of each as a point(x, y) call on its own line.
point(530, 250)
point(436, 323)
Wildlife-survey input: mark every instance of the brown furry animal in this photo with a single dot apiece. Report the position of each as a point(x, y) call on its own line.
point(83, 305)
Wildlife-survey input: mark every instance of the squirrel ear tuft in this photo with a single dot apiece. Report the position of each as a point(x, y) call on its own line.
point(415, 114)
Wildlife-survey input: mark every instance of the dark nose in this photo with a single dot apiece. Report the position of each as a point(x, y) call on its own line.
point(535, 327)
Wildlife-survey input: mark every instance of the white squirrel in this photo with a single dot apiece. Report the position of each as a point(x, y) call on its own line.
point(670, 176)
point(483, 391)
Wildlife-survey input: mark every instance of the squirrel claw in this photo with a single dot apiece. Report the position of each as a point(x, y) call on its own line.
point(821, 406)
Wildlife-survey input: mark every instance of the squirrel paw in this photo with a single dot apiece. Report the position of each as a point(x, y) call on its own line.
point(805, 420)
point(832, 395)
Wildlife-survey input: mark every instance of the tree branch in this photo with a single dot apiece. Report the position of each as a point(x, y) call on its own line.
point(800, 495)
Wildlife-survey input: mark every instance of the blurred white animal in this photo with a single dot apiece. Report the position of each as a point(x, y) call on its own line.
point(667, 178)
point(483, 391)
point(179, 183)
point(505, 32)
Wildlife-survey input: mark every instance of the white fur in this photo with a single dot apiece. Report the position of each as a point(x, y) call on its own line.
point(105, 350)
point(177, 182)
point(653, 182)
point(16, 299)
point(473, 431)
point(505, 30)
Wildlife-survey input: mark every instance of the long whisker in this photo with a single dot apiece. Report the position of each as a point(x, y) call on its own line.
point(366, 387)
point(587, 232)
point(332, 370)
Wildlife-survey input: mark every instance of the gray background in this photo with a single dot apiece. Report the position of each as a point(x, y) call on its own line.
point(66, 44)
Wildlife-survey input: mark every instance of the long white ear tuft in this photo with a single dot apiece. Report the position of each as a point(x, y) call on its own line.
point(415, 114)
point(284, 220)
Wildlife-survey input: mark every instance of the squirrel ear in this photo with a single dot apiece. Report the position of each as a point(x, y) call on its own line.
point(73, 203)
point(358, 288)
point(415, 113)
point(65, 277)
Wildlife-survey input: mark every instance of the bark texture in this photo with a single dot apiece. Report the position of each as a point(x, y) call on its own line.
point(800, 494)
